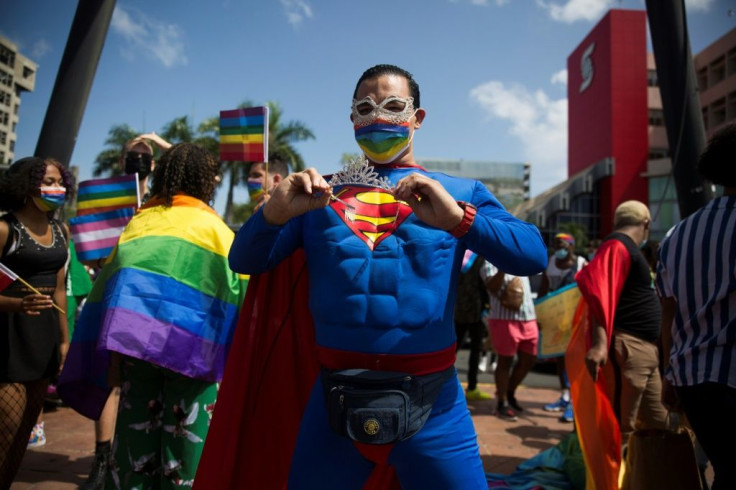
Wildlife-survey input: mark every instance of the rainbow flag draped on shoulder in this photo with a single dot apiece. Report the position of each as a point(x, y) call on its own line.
point(166, 296)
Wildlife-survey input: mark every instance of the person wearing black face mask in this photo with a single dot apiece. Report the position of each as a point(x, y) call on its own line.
point(138, 162)
point(137, 157)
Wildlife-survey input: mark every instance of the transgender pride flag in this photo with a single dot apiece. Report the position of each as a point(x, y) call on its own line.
point(95, 235)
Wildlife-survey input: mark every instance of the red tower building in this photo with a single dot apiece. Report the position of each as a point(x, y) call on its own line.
point(607, 112)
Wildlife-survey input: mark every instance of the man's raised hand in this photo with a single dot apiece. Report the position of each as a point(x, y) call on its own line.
point(297, 194)
point(430, 201)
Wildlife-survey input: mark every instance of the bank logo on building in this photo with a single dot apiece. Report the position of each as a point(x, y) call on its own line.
point(586, 67)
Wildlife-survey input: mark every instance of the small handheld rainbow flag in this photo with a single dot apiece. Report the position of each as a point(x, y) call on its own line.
point(244, 135)
point(100, 195)
point(7, 277)
point(95, 235)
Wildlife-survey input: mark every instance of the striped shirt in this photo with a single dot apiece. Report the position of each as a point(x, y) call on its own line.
point(498, 312)
point(697, 267)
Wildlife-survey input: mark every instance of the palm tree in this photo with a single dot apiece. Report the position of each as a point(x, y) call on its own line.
point(281, 137)
point(179, 130)
point(106, 161)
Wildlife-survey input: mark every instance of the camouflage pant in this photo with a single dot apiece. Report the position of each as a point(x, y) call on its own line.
point(162, 422)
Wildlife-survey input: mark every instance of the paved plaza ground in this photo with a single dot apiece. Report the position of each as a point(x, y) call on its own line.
point(64, 461)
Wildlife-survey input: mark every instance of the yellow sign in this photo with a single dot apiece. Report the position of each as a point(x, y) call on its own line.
point(554, 316)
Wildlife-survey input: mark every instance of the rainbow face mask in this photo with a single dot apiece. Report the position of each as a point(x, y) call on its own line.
point(255, 189)
point(50, 199)
point(383, 130)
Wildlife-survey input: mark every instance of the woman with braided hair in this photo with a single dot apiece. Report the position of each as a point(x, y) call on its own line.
point(33, 330)
point(162, 310)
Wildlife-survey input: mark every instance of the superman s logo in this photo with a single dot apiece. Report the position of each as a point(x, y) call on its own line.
point(377, 213)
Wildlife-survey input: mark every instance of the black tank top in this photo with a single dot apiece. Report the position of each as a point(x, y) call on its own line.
point(29, 345)
point(638, 311)
point(35, 263)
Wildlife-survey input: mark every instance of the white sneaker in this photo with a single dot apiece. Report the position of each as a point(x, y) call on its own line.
point(483, 363)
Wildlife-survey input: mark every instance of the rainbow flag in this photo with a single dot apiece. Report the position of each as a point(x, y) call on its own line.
point(244, 135)
point(595, 422)
point(7, 277)
point(166, 296)
point(100, 195)
point(95, 235)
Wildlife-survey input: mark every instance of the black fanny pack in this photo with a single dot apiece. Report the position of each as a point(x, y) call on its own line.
point(380, 407)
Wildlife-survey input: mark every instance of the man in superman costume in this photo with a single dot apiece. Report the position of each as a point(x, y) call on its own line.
point(383, 243)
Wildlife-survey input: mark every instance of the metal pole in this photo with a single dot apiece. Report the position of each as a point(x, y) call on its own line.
point(681, 103)
point(74, 79)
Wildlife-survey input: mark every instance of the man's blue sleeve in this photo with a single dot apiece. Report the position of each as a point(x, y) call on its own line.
point(259, 246)
point(512, 245)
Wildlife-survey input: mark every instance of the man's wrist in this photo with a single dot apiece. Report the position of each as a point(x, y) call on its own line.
point(469, 212)
point(268, 215)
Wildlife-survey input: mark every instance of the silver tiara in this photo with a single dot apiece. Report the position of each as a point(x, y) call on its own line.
point(359, 171)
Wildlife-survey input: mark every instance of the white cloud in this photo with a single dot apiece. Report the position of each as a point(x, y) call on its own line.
point(40, 49)
point(574, 10)
point(702, 5)
point(560, 77)
point(151, 38)
point(296, 11)
point(538, 122)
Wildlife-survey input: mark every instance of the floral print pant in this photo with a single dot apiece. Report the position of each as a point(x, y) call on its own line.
point(162, 422)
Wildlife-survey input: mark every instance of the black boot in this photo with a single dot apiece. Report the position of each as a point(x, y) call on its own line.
point(100, 467)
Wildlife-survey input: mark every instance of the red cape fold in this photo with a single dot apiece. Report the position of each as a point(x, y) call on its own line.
point(270, 371)
point(600, 284)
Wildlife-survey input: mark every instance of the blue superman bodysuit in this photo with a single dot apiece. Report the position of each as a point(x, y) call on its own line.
point(382, 294)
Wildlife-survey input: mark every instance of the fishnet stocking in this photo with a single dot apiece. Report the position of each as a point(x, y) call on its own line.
point(20, 404)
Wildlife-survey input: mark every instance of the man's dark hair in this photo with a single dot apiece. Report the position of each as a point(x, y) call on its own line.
point(185, 168)
point(716, 162)
point(278, 164)
point(380, 70)
point(26, 175)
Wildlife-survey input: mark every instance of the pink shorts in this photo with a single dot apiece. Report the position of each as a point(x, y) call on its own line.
point(512, 336)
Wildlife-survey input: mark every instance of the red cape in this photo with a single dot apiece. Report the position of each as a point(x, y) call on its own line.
point(600, 284)
point(270, 371)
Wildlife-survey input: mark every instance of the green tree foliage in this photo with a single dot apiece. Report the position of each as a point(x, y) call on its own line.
point(179, 130)
point(282, 136)
point(580, 233)
point(106, 162)
point(348, 157)
point(241, 212)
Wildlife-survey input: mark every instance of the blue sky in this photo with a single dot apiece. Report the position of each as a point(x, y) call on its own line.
point(491, 72)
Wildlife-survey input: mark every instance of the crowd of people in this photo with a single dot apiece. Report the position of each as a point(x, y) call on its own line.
point(397, 265)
